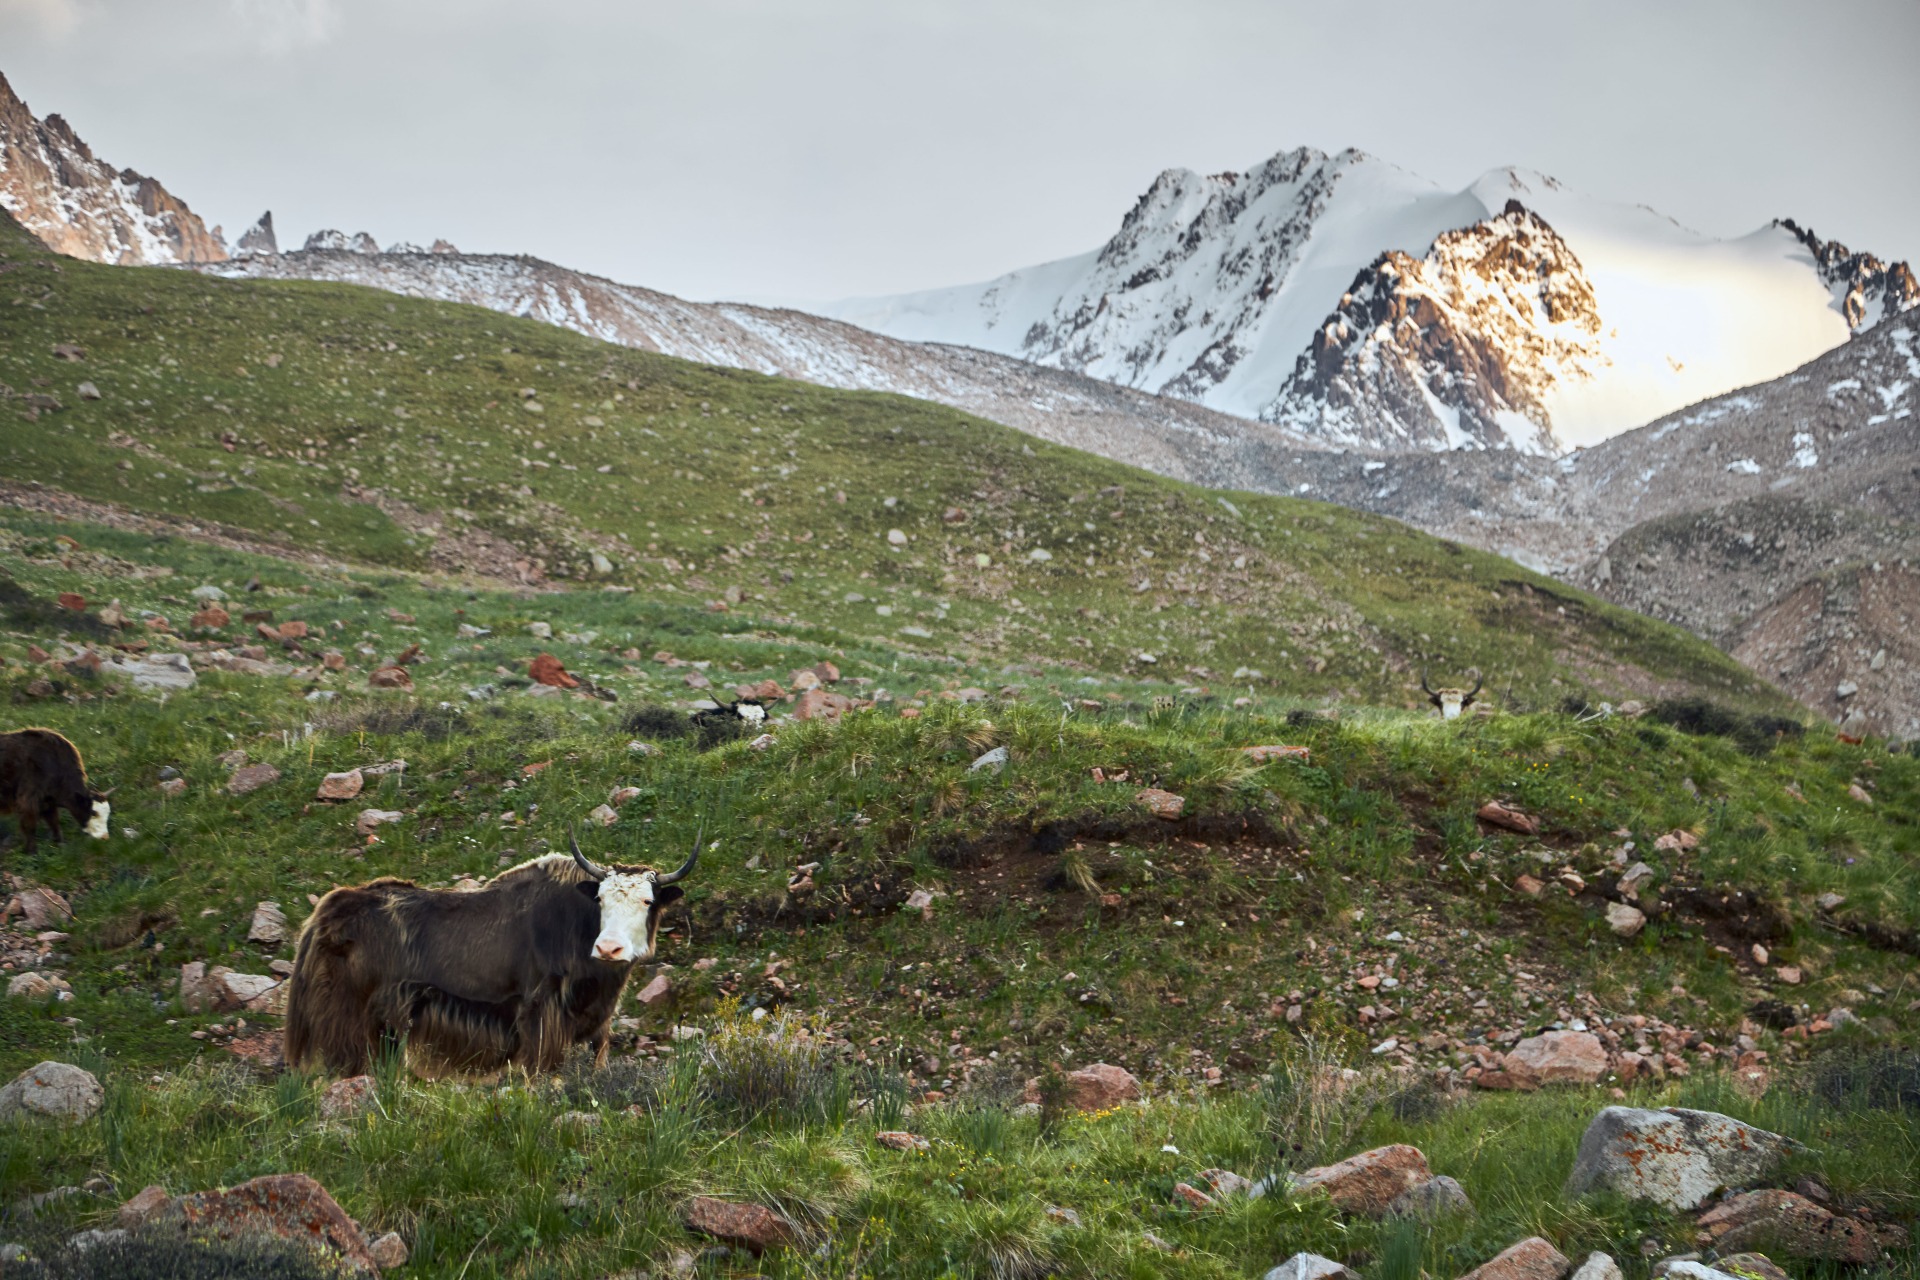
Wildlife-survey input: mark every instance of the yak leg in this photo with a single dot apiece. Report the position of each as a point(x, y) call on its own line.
point(543, 1035)
point(50, 814)
point(27, 818)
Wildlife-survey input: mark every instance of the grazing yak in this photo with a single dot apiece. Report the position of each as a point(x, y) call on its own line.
point(41, 773)
point(512, 973)
point(1451, 702)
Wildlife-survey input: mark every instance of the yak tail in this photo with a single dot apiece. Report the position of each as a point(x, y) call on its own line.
point(327, 1019)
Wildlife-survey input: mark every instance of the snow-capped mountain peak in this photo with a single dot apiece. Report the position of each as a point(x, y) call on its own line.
point(1224, 289)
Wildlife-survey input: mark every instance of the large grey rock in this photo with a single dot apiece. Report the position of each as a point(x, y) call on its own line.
point(55, 1090)
point(158, 671)
point(1310, 1266)
point(1673, 1157)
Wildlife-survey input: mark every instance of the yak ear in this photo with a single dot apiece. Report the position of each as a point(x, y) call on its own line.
point(591, 888)
point(671, 894)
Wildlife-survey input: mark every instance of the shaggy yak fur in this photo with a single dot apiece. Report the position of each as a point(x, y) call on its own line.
point(467, 981)
point(41, 774)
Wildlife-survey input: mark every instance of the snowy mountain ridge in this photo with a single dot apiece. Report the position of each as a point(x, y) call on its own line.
point(1217, 289)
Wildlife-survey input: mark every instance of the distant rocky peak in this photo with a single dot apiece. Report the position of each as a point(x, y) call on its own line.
point(79, 205)
point(259, 238)
point(1865, 289)
point(1461, 348)
point(341, 242)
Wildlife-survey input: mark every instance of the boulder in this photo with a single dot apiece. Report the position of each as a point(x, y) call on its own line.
point(1673, 1157)
point(345, 1099)
point(251, 777)
point(37, 986)
point(747, 1226)
point(1557, 1057)
point(42, 908)
point(1784, 1222)
point(1531, 1259)
point(1434, 1198)
point(54, 1090)
point(1099, 1087)
point(1369, 1182)
point(289, 1206)
point(166, 671)
point(1598, 1266)
point(1310, 1266)
point(269, 925)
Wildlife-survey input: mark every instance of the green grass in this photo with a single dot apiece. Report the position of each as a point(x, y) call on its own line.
point(1069, 925)
point(392, 431)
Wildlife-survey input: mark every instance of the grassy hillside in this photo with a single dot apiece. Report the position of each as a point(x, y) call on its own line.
point(1070, 926)
point(419, 435)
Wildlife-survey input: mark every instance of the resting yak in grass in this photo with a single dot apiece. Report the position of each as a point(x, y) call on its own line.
point(510, 974)
point(41, 774)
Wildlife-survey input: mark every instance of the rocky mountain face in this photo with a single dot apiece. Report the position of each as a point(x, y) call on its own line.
point(1865, 289)
point(1172, 437)
point(1456, 349)
point(79, 205)
point(1366, 307)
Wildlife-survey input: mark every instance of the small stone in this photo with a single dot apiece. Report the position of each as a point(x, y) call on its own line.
point(1789, 974)
point(1064, 1216)
point(1262, 755)
point(211, 618)
point(1625, 921)
point(341, 786)
point(53, 1090)
point(1225, 1182)
point(1557, 1057)
point(88, 391)
point(1310, 1266)
point(41, 908)
point(749, 1226)
point(1529, 885)
point(1789, 1223)
point(1760, 954)
point(901, 1140)
point(655, 991)
point(368, 819)
point(345, 1099)
point(995, 759)
point(1164, 805)
point(1830, 901)
point(269, 925)
point(252, 778)
point(140, 1209)
point(1508, 818)
point(1757, 1265)
point(621, 795)
point(291, 1206)
point(603, 815)
point(540, 630)
point(1437, 1197)
point(390, 678)
point(897, 537)
point(172, 787)
point(1637, 877)
point(1859, 794)
point(1192, 1196)
point(389, 1251)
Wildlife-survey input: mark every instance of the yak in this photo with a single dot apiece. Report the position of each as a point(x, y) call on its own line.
point(1450, 702)
point(513, 973)
point(41, 774)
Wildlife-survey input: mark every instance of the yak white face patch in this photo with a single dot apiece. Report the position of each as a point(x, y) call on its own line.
point(1450, 702)
point(625, 903)
point(751, 712)
point(97, 824)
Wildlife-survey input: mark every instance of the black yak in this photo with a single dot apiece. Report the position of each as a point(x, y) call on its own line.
point(512, 973)
point(41, 774)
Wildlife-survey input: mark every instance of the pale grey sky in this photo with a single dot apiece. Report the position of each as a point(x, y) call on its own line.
point(777, 148)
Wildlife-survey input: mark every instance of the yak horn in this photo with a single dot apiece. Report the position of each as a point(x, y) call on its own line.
point(1424, 687)
point(1478, 681)
point(586, 864)
point(686, 868)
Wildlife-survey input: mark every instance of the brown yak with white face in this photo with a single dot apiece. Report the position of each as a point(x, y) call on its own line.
point(1451, 702)
point(512, 973)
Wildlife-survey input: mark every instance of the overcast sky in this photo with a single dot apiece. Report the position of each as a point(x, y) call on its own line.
point(785, 149)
